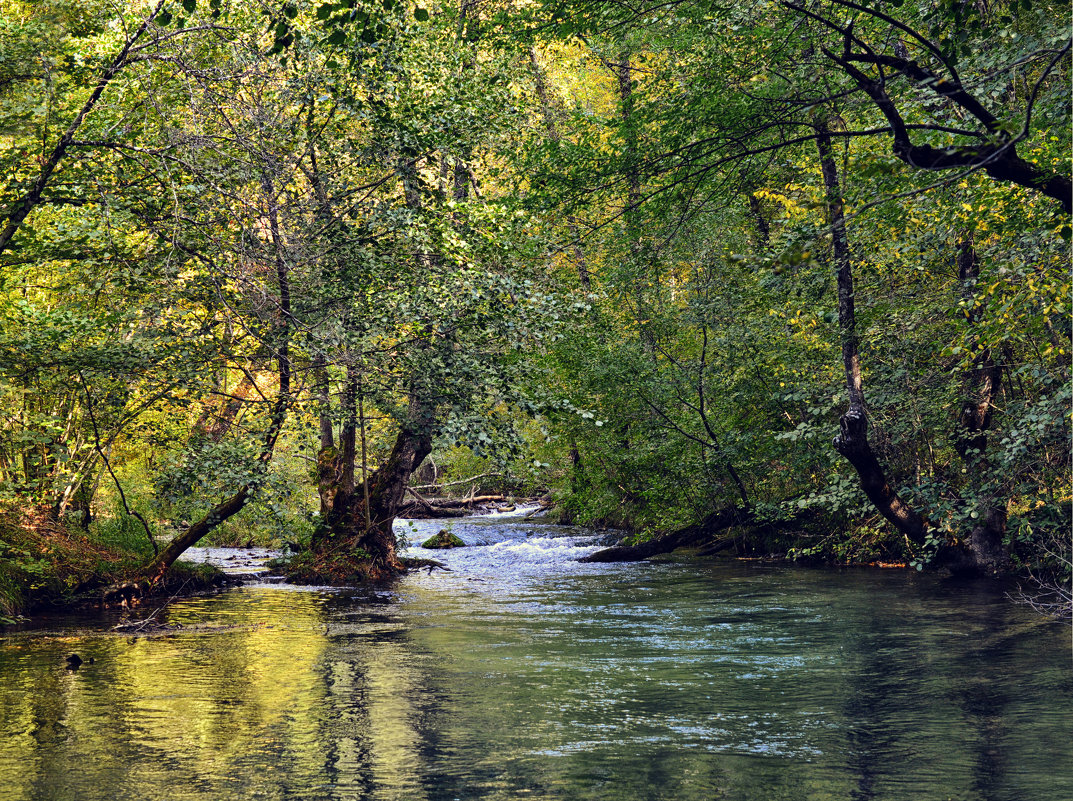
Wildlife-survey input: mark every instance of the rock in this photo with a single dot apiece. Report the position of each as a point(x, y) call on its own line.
point(444, 539)
point(74, 661)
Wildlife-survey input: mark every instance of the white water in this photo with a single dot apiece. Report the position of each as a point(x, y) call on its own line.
point(507, 546)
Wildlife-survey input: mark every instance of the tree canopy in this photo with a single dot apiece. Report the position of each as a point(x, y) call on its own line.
point(800, 265)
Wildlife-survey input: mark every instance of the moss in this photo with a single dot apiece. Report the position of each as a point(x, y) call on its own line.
point(444, 539)
point(191, 577)
point(45, 564)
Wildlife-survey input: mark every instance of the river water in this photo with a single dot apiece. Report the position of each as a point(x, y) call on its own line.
point(522, 674)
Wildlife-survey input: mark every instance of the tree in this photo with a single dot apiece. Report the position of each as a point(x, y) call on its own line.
point(732, 116)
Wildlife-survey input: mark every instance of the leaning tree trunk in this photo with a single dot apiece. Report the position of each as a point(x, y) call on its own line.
point(159, 565)
point(852, 441)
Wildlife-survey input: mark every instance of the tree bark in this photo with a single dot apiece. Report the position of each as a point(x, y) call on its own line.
point(763, 227)
point(341, 511)
point(361, 517)
point(852, 441)
point(984, 380)
point(227, 508)
point(468, 31)
point(997, 157)
point(717, 521)
point(387, 491)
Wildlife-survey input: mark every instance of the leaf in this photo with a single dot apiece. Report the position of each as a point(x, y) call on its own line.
point(164, 19)
point(421, 15)
point(189, 5)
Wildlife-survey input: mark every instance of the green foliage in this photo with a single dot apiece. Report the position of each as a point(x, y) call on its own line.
point(579, 245)
point(116, 529)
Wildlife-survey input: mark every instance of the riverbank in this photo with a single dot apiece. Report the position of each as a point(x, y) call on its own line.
point(45, 564)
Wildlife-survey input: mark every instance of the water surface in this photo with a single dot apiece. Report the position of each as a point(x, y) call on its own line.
point(524, 674)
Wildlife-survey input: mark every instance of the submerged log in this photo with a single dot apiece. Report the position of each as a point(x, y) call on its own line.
point(690, 535)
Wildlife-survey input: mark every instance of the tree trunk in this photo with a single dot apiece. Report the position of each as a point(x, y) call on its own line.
point(228, 508)
point(278, 415)
point(852, 441)
point(982, 551)
point(763, 227)
point(386, 492)
point(985, 378)
point(361, 518)
point(627, 102)
point(340, 509)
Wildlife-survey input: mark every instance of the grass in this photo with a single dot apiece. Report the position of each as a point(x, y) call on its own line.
point(44, 563)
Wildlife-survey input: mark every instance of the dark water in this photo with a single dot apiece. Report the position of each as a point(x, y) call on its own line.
point(523, 674)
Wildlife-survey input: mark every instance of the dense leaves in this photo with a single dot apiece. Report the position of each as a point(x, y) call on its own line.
point(259, 248)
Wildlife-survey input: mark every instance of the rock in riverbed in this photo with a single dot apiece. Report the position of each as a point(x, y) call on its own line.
point(444, 539)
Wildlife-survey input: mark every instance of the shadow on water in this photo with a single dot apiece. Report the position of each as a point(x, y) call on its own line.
point(523, 674)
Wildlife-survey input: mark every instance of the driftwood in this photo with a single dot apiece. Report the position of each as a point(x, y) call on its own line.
point(690, 535)
point(445, 507)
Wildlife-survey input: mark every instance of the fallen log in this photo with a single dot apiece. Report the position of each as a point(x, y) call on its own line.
point(417, 511)
point(445, 507)
point(716, 521)
point(423, 501)
point(439, 487)
point(455, 503)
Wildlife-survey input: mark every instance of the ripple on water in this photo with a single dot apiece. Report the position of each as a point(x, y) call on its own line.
point(523, 673)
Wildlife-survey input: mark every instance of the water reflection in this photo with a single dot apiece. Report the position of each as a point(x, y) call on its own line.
point(554, 681)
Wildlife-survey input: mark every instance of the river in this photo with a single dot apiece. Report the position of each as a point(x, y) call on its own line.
point(523, 674)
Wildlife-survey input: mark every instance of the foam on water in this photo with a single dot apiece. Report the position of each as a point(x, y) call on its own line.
point(502, 543)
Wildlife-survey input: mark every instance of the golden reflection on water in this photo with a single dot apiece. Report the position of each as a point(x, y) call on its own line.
point(260, 706)
point(656, 684)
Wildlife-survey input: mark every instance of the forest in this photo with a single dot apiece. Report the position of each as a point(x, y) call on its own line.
point(785, 279)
